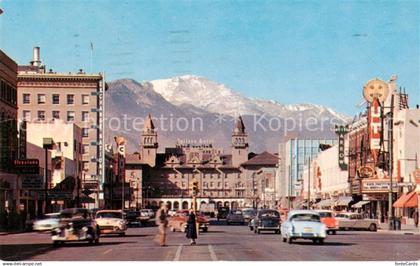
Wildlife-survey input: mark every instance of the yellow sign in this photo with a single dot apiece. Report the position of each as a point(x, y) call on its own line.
point(375, 88)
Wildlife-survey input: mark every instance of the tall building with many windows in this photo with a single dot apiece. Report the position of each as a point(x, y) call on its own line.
point(297, 153)
point(44, 96)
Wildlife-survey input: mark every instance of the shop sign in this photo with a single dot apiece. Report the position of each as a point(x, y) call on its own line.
point(355, 187)
point(375, 129)
point(377, 186)
point(32, 182)
point(341, 131)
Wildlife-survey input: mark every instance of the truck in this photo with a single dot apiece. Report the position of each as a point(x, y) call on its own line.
point(208, 209)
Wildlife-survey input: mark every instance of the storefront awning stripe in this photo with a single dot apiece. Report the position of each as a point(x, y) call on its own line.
point(407, 200)
point(360, 204)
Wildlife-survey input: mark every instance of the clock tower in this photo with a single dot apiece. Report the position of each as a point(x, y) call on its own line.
point(239, 143)
point(149, 142)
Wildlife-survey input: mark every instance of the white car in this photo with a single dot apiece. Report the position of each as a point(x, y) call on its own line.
point(111, 222)
point(356, 221)
point(303, 224)
point(51, 221)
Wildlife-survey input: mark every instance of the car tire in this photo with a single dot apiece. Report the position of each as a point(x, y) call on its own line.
point(289, 240)
point(122, 234)
point(56, 243)
point(321, 241)
point(172, 229)
point(277, 232)
point(205, 229)
point(315, 240)
point(284, 239)
point(255, 231)
point(251, 229)
point(372, 228)
point(258, 231)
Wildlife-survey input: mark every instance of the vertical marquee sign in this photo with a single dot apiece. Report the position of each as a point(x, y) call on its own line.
point(341, 131)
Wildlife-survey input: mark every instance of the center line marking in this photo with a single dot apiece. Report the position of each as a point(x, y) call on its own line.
point(212, 253)
point(107, 251)
point(178, 253)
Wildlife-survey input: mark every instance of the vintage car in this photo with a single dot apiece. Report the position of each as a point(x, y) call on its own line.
point(47, 223)
point(328, 218)
point(222, 213)
point(149, 213)
point(235, 216)
point(76, 224)
point(178, 222)
point(267, 220)
point(111, 222)
point(249, 214)
point(303, 224)
point(356, 221)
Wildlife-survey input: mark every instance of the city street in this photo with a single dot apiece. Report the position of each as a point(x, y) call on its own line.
point(220, 243)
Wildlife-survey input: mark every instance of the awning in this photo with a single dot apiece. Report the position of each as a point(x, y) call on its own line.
point(408, 200)
point(360, 204)
point(86, 199)
point(343, 201)
point(325, 203)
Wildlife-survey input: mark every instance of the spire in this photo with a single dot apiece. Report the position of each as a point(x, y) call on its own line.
point(148, 124)
point(239, 126)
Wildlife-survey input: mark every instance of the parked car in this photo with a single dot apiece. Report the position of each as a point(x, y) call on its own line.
point(328, 218)
point(47, 223)
point(111, 222)
point(178, 222)
point(147, 213)
point(303, 224)
point(249, 214)
point(356, 221)
point(222, 212)
point(76, 224)
point(267, 220)
point(235, 216)
point(133, 218)
point(171, 212)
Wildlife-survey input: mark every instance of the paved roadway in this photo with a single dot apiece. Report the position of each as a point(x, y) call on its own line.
point(220, 243)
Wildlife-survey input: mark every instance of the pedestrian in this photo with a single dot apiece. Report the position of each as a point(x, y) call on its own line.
point(162, 222)
point(191, 231)
point(416, 218)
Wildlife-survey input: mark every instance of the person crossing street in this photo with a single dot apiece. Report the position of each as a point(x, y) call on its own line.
point(162, 222)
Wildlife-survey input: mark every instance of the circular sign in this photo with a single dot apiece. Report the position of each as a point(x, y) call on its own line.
point(375, 88)
point(366, 172)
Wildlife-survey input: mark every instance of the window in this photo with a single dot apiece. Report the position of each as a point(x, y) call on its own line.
point(41, 115)
point(70, 116)
point(85, 148)
point(56, 114)
point(85, 99)
point(70, 98)
point(85, 132)
point(85, 166)
point(26, 115)
point(56, 98)
point(85, 116)
point(41, 98)
point(26, 98)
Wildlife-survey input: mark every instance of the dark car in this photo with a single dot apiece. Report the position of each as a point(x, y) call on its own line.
point(76, 224)
point(267, 220)
point(133, 218)
point(235, 216)
point(222, 213)
point(249, 214)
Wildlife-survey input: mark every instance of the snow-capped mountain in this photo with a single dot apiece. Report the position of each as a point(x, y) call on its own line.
point(215, 107)
point(217, 98)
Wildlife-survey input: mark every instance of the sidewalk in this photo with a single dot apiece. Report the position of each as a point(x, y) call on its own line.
point(406, 229)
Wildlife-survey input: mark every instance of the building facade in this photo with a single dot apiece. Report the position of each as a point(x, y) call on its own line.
point(297, 152)
point(8, 131)
point(44, 96)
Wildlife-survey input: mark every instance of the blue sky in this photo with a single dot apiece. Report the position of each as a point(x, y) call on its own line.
point(291, 51)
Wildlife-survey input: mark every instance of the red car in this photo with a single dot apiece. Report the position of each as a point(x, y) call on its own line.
point(328, 218)
point(178, 222)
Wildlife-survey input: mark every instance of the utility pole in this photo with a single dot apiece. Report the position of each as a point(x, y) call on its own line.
point(290, 187)
point(390, 161)
point(309, 181)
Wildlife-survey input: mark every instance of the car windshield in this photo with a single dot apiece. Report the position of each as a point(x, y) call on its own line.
point(305, 217)
point(74, 214)
point(325, 214)
point(271, 214)
point(340, 215)
point(117, 215)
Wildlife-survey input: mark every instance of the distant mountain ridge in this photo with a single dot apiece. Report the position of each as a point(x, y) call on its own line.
point(183, 99)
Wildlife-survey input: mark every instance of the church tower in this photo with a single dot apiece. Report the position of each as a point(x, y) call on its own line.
point(239, 143)
point(149, 144)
